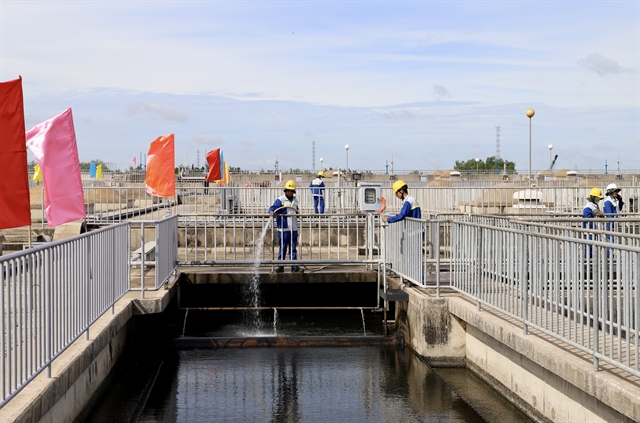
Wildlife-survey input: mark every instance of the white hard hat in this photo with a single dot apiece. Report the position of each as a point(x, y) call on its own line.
point(612, 187)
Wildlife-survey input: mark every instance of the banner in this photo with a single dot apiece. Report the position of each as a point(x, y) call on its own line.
point(216, 165)
point(15, 209)
point(92, 170)
point(53, 142)
point(160, 178)
point(99, 171)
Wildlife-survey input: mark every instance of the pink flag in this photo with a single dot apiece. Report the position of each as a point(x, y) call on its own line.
point(134, 162)
point(53, 142)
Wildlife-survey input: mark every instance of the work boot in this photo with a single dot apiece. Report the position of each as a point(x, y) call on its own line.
point(280, 269)
point(296, 270)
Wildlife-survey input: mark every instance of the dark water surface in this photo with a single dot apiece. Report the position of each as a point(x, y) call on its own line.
point(356, 384)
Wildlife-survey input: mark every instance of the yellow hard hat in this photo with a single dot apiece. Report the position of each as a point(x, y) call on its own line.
point(397, 185)
point(321, 174)
point(595, 192)
point(290, 186)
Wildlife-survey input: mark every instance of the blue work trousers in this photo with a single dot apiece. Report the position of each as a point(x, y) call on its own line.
point(288, 241)
point(318, 200)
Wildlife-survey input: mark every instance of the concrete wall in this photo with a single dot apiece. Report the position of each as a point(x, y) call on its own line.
point(81, 372)
point(545, 378)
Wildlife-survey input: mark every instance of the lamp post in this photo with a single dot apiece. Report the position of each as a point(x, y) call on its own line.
point(346, 147)
point(550, 159)
point(477, 161)
point(530, 113)
point(321, 164)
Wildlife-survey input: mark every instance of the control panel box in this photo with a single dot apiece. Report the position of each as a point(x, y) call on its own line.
point(369, 196)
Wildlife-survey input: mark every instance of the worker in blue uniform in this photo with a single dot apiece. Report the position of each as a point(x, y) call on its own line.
point(285, 208)
point(317, 189)
point(410, 207)
point(613, 205)
point(591, 210)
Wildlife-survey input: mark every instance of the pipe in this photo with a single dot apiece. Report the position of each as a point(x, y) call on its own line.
point(279, 308)
point(280, 341)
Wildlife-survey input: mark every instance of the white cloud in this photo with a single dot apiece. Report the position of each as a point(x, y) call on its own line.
point(156, 111)
point(601, 65)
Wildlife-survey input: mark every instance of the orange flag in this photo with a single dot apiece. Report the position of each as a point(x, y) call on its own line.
point(160, 179)
point(15, 209)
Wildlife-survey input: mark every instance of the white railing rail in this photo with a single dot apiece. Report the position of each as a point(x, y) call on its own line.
point(581, 291)
point(50, 296)
point(221, 239)
point(115, 204)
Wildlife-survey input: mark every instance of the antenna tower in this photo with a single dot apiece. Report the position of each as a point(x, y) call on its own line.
point(313, 156)
point(497, 147)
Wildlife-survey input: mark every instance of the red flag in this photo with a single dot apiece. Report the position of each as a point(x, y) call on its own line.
point(160, 179)
point(15, 209)
point(53, 142)
point(216, 165)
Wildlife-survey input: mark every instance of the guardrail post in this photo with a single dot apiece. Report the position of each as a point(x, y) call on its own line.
point(524, 281)
point(48, 338)
point(595, 275)
point(88, 290)
point(479, 269)
point(437, 253)
point(142, 262)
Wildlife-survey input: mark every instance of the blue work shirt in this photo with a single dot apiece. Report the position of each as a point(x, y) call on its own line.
point(410, 208)
point(289, 223)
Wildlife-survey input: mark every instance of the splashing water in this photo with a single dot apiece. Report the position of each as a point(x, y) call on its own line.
point(275, 321)
point(184, 325)
point(363, 325)
point(252, 289)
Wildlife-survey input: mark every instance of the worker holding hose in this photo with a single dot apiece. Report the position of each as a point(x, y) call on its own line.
point(285, 208)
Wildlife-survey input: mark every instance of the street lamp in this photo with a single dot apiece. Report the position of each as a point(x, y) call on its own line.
point(346, 147)
point(530, 113)
point(321, 164)
point(477, 161)
point(550, 160)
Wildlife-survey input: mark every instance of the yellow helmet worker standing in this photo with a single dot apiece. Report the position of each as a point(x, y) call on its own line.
point(410, 207)
point(285, 208)
point(591, 209)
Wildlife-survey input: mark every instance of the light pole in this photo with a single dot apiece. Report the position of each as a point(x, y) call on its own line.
point(346, 147)
point(321, 164)
point(530, 113)
point(550, 159)
point(477, 161)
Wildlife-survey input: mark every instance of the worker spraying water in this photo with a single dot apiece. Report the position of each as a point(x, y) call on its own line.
point(285, 209)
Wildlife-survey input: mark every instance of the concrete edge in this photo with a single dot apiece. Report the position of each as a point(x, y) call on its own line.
point(608, 388)
point(40, 395)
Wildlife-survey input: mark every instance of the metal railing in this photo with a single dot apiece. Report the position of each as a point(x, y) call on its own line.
point(221, 239)
point(50, 296)
point(583, 292)
point(158, 239)
point(107, 205)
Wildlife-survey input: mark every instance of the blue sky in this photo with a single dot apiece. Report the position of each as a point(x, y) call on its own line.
point(425, 82)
